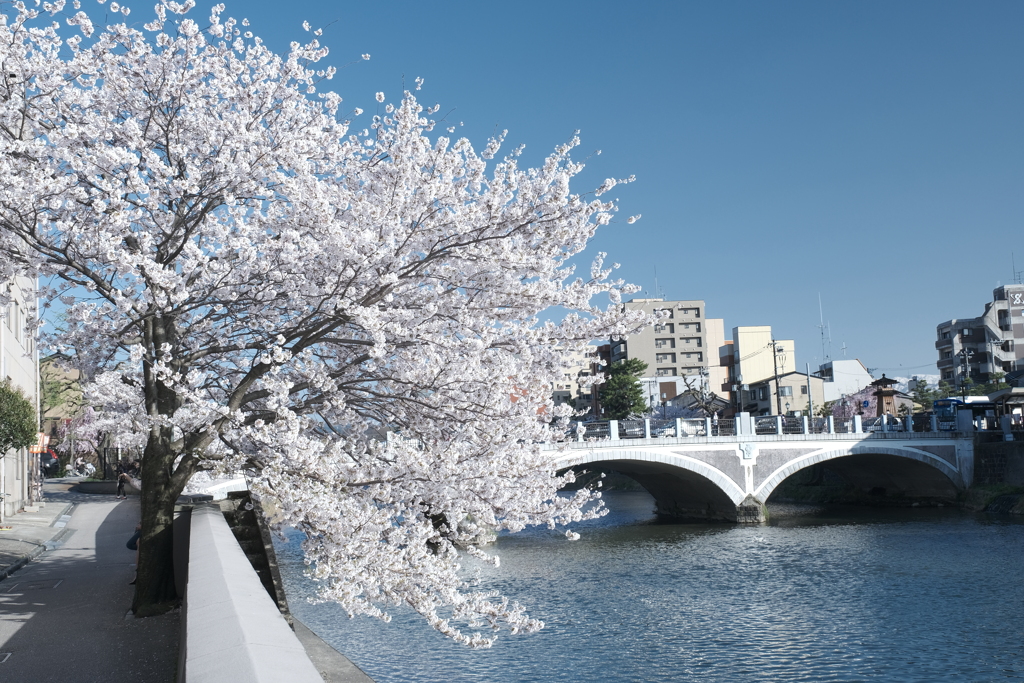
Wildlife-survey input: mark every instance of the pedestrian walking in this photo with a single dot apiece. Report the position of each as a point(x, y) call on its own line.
point(122, 479)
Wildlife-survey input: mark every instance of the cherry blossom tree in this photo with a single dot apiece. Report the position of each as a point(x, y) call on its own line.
point(80, 435)
point(354, 314)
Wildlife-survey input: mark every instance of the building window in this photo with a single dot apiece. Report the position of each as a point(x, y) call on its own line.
point(753, 394)
point(785, 391)
point(945, 335)
point(762, 393)
point(803, 389)
point(665, 372)
point(947, 354)
point(664, 343)
point(665, 327)
point(966, 332)
point(947, 374)
point(664, 358)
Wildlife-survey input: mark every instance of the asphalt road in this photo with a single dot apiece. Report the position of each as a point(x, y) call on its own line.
point(64, 616)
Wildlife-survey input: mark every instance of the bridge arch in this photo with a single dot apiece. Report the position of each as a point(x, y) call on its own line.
point(727, 479)
point(682, 486)
point(929, 476)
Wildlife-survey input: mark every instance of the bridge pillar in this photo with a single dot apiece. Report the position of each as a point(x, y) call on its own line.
point(831, 424)
point(751, 511)
point(934, 422)
point(613, 429)
point(858, 427)
point(744, 425)
point(807, 425)
point(647, 427)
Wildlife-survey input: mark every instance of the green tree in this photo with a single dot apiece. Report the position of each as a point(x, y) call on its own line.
point(995, 383)
point(945, 390)
point(17, 419)
point(925, 395)
point(622, 394)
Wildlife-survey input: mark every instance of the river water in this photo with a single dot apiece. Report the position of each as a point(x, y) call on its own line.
point(816, 595)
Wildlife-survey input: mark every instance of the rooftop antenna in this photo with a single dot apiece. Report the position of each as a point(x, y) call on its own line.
point(657, 290)
point(1016, 273)
point(825, 357)
point(844, 349)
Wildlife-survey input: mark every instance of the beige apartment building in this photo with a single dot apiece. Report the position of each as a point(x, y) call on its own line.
point(682, 344)
point(756, 356)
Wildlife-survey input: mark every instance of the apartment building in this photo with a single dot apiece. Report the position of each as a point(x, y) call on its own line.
point(19, 362)
point(843, 378)
point(682, 344)
point(976, 348)
point(574, 387)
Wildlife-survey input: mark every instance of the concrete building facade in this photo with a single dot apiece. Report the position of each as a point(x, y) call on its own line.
point(791, 393)
point(993, 342)
point(843, 378)
point(19, 363)
point(681, 347)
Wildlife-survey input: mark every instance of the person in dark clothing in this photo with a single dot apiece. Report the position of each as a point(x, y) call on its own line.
point(122, 479)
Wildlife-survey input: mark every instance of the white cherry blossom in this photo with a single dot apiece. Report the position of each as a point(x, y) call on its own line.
point(356, 320)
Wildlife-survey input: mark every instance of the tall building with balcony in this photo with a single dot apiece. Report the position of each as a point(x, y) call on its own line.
point(682, 346)
point(976, 348)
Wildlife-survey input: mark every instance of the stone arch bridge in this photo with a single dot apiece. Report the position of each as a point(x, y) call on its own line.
point(731, 478)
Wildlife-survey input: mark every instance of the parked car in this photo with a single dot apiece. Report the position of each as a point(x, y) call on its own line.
point(664, 431)
point(893, 424)
point(632, 429)
point(49, 464)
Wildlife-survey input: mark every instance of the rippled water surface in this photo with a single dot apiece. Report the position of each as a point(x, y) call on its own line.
point(904, 595)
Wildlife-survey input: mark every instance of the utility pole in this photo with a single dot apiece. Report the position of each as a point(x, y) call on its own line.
point(810, 396)
point(775, 362)
point(965, 371)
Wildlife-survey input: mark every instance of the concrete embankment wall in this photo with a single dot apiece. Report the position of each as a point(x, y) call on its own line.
point(236, 625)
point(234, 631)
point(998, 476)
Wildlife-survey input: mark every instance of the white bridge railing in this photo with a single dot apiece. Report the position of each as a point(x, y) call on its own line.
point(745, 425)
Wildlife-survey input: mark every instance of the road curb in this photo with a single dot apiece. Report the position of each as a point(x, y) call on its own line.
point(40, 548)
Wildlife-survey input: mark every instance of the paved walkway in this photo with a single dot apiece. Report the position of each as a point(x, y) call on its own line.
point(64, 606)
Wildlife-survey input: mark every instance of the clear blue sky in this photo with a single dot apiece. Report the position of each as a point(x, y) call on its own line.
point(869, 151)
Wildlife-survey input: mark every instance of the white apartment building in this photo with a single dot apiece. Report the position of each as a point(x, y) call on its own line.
point(843, 378)
point(19, 362)
point(993, 342)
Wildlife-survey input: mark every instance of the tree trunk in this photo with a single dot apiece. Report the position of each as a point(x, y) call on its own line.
point(154, 587)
